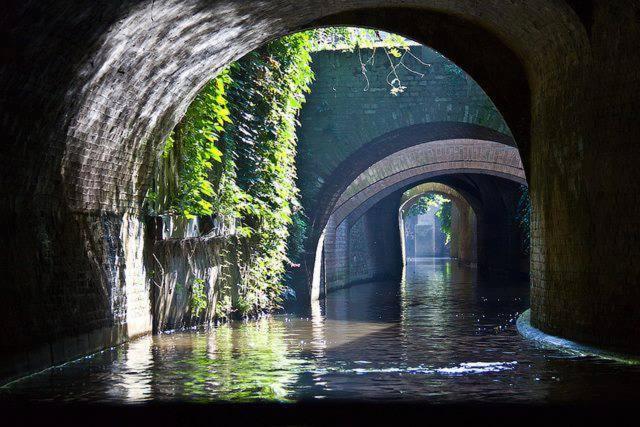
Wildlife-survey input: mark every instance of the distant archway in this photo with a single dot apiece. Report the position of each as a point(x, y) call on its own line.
point(394, 174)
point(463, 221)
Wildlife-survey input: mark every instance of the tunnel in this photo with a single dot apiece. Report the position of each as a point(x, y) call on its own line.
point(488, 173)
point(463, 233)
point(90, 93)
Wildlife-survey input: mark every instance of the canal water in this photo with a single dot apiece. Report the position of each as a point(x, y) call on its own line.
point(442, 335)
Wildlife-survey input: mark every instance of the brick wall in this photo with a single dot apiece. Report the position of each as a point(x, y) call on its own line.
point(426, 160)
point(343, 113)
point(87, 93)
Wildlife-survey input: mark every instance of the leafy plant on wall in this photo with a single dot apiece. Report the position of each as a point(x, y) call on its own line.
point(232, 157)
point(186, 174)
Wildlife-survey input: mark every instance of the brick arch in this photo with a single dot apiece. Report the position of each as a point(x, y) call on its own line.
point(88, 94)
point(463, 234)
point(423, 161)
point(411, 196)
point(388, 144)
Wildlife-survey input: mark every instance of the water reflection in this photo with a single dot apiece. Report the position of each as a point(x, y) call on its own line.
point(138, 361)
point(442, 335)
point(240, 362)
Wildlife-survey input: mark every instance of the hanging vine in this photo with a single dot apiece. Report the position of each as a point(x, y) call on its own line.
point(397, 50)
point(232, 156)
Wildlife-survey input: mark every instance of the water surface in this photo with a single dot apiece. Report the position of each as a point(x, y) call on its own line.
point(442, 335)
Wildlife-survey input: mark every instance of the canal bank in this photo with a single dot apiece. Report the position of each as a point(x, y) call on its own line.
point(530, 332)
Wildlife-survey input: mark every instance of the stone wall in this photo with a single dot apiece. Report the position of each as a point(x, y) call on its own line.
point(81, 288)
point(364, 250)
point(178, 263)
point(335, 249)
point(464, 237)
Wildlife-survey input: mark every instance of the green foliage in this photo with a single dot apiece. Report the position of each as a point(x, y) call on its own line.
point(443, 211)
point(198, 301)
point(351, 38)
point(232, 156)
point(183, 183)
point(298, 233)
point(267, 93)
point(424, 203)
point(444, 215)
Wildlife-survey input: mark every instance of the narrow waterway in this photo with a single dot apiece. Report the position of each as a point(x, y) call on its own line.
point(442, 335)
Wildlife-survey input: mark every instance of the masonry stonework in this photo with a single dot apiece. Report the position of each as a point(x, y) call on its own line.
point(88, 93)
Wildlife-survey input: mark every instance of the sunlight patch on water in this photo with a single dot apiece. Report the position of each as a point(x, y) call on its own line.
point(478, 368)
point(461, 369)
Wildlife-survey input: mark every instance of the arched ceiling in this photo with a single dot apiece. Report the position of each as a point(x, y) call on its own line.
point(428, 160)
point(115, 79)
point(411, 196)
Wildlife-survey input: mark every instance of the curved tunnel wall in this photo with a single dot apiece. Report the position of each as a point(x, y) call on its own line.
point(90, 92)
point(367, 210)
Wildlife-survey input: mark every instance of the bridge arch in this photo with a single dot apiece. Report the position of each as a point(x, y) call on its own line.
point(384, 182)
point(425, 161)
point(388, 144)
point(90, 93)
point(463, 221)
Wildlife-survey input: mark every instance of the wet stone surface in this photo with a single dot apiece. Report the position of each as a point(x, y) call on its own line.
point(442, 335)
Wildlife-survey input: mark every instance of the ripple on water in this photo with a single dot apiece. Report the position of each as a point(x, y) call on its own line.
point(441, 335)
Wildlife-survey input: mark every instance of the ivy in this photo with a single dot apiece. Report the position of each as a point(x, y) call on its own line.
point(268, 90)
point(232, 156)
point(198, 300)
point(183, 182)
point(444, 215)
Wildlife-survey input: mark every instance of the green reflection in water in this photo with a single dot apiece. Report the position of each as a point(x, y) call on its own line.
point(244, 362)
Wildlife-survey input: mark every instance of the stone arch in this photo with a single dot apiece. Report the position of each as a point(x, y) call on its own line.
point(393, 174)
point(90, 92)
point(463, 221)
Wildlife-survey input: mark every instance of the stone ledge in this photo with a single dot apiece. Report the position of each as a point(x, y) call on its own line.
point(529, 332)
